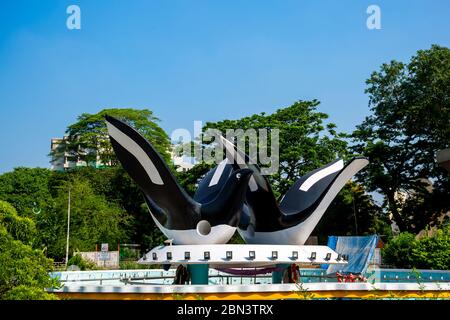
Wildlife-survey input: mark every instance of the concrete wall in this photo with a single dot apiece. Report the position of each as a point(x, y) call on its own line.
point(112, 261)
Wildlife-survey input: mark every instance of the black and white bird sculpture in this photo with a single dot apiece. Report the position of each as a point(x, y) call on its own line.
point(207, 220)
point(264, 221)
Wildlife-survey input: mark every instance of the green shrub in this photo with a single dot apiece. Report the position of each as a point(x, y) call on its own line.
point(20, 228)
point(405, 251)
point(82, 263)
point(399, 251)
point(23, 270)
point(129, 253)
point(28, 293)
point(433, 252)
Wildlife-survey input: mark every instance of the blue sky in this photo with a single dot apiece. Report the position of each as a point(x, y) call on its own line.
point(194, 60)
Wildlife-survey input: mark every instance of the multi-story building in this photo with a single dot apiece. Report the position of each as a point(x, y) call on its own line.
point(64, 160)
point(61, 159)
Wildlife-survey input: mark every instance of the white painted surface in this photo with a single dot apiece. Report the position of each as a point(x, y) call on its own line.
point(218, 173)
point(299, 234)
point(319, 175)
point(218, 234)
point(240, 255)
point(109, 259)
point(131, 146)
point(322, 286)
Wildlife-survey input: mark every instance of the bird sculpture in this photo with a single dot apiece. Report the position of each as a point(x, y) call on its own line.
point(211, 220)
point(290, 222)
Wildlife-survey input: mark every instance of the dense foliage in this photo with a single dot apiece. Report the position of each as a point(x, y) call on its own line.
point(305, 141)
point(106, 206)
point(88, 139)
point(23, 270)
point(433, 252)
point(353, 213)
point(93, 219)
point(27, 190)
point(20, 228)
point(82, 264)
point(410, 122)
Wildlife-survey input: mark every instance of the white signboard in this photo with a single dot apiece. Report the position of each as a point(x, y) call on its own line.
point(105, 247)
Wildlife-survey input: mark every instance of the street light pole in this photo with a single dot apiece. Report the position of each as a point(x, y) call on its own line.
point(68, 229)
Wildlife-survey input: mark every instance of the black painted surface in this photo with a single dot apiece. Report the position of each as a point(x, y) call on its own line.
point(261, 208)
point(169, 203)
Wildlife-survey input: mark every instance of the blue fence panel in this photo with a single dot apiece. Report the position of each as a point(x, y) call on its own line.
point(359, 250)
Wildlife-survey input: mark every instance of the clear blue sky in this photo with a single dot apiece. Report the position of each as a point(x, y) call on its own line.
point(194, 60)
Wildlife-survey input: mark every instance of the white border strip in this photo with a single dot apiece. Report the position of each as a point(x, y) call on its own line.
point(131, 146)
point(321, 174)
point(218, 173)
point(260, 288)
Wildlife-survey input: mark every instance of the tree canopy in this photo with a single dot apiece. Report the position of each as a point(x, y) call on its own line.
point(106, 206)
point(26, 189)
point(23, 270)
point(410, 122)
point(406, 251)
point(20, 228)
point(88, 139)
point(305, 141)
point(93, 219)
point(353, 213)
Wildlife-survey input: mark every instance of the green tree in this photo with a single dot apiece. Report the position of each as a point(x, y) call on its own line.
point(24, 292)
point(305, 142)
point(27, 190)
point(37, 193)
point(410, 121)
point(93, 219)
point(433, 252)
point(189, 179)
point(88, 138)
point(23, 270)
point(353, 213)
point(81, 263)
point(21, 228)
point(399, 251)
point(142, 227)
point(153, 237)
point(115, 185)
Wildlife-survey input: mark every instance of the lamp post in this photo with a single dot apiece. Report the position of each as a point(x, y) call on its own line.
point(68, 229)
point(354, 213)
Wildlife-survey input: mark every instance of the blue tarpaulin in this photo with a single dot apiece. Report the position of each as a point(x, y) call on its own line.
point(360, 251)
